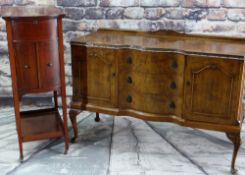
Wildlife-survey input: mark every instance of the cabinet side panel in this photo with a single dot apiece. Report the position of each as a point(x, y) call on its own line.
point(78, 56)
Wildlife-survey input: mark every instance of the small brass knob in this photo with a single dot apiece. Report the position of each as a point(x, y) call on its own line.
point(26, 66)
point(50, 64)
point(188, 83)
point(129, 60)
point(172, 105)
point(130, 81)
point(129, 99)
point(173, 85)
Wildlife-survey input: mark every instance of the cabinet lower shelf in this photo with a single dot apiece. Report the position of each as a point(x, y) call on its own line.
point(41, 124)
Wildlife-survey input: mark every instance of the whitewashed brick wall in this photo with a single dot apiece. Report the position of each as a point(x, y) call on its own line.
point(213, 17)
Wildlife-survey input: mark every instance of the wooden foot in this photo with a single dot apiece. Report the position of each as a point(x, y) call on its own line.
point(73, 117)
point(97, 118)
point(21, 156)
point(236, 140)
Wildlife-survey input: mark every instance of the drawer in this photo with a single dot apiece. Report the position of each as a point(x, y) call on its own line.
point(150, 103)
point(155, 84)
point(154, 63)
point(34, 29)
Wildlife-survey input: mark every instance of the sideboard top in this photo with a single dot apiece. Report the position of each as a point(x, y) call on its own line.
point(31, 11)
point(166, 41)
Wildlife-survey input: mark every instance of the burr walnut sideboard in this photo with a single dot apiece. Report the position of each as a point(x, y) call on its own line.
point(35, 44)
point(194, 81)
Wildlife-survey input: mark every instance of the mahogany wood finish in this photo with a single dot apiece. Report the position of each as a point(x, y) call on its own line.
point(194, 81)
point(35, 45)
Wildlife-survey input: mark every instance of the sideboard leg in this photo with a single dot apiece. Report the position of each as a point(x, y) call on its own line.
point(97, 118)
point(73, 117)
point(236, 140)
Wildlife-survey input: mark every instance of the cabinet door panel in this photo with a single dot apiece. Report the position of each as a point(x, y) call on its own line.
point(98, 72)
point(212, 89)
point(26, 66)
point(49, 64)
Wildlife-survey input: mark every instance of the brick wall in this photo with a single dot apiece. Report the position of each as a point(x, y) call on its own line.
point(213, 17)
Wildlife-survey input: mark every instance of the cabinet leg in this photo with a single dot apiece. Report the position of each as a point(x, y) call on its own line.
point(236, 140)
point(73, 117)
point(97, 118)
point(21, 150)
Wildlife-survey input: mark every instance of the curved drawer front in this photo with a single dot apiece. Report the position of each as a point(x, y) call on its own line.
point(155, 104)
point(39, 29)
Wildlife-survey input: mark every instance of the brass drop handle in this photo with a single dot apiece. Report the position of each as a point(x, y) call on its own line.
point(26, 66)
point(130, 81)
point(172, 105)
point(173, 85)
point(129, 99)
point(174, 64)
point(188, 83)
point(49, 64)
point(129, 60)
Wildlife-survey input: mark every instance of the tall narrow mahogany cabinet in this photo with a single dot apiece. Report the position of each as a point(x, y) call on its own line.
point(36, 53)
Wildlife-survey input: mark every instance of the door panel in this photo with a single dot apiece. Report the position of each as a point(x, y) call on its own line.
point(212, 89)
point(98, 77)
point(26, 66)
point(49, 64)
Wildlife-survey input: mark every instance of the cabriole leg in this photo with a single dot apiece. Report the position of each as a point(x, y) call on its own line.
point(235, 138)
point(97, 118)
point(73, 117)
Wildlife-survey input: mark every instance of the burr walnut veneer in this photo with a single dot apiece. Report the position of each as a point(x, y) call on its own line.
point(35, 44)
point(194, 81)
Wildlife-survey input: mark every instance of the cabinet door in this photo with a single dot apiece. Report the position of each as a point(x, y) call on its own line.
point(212, 89)
point(26, 66)
point(98, 77)
point(48, 56)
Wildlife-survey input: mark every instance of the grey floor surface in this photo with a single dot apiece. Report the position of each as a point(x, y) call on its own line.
point(120, 146)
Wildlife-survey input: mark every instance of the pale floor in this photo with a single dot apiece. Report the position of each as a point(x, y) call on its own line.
point(120, 146)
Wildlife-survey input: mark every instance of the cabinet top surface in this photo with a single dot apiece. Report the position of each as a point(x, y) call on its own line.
point(30, 11)
point(166, 41)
